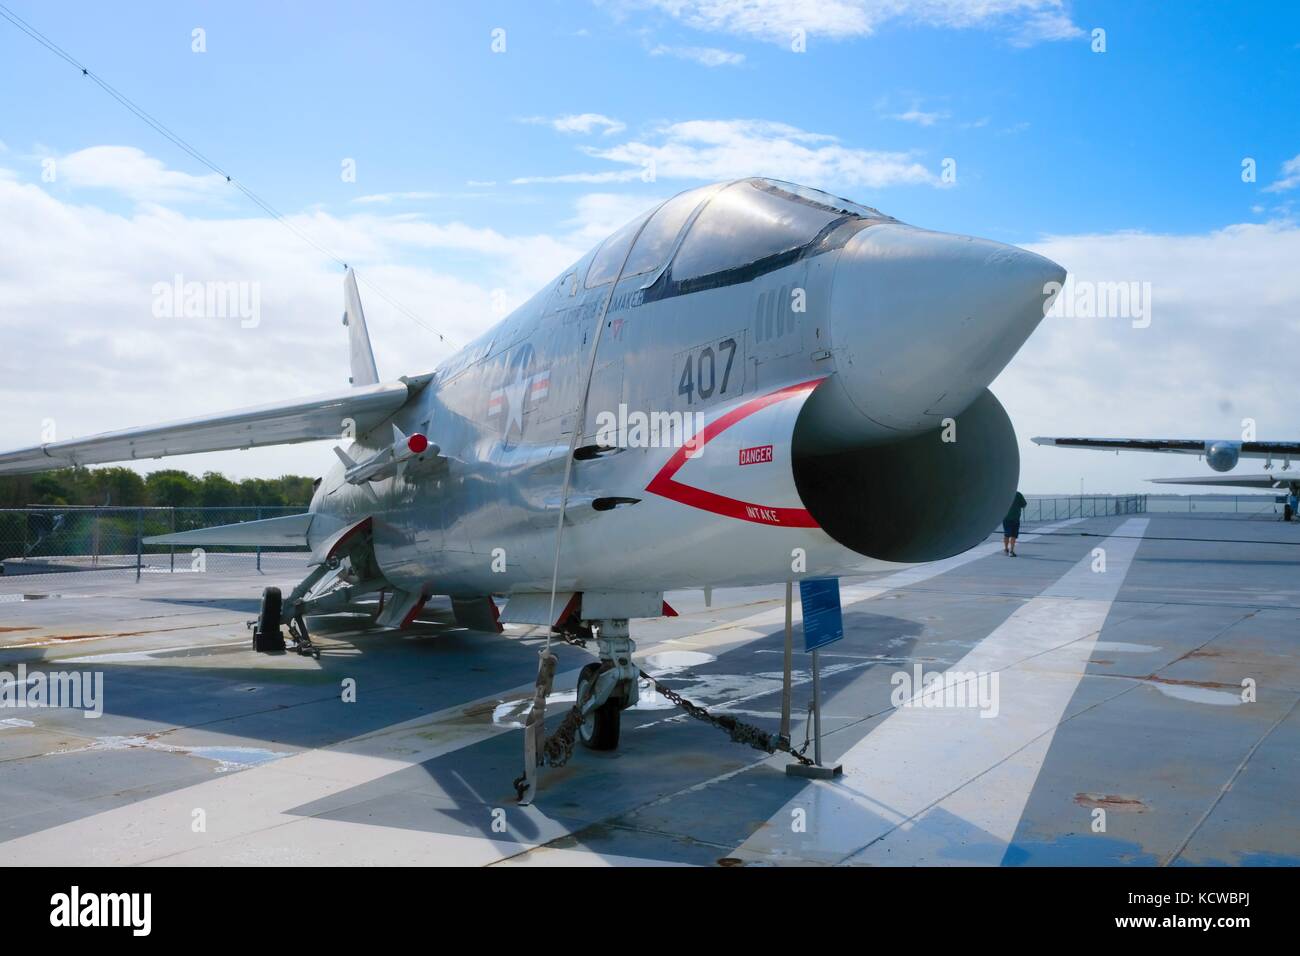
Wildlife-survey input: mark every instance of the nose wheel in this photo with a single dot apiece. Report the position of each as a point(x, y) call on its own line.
point(607, 688)
point(600, 725)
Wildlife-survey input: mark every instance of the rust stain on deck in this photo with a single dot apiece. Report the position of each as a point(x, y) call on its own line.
point(1110, 801)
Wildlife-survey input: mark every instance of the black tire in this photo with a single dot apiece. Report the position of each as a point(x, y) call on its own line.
point(600, 730)
point(266, 636)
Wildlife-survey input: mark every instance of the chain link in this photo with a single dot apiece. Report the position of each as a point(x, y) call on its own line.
point(737, 730)
point(558, 747)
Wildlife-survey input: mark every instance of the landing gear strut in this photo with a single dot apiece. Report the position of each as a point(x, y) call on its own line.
point(607, 688)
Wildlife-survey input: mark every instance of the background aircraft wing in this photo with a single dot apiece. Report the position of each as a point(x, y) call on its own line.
point(1269, 449)
point(1185, 446)
point(1280, 479)
point(282, 423)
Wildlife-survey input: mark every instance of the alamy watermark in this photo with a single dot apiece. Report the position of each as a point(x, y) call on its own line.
point(78, 690)
point(179, 299)
point(638, 429)
point(946, 689)
point(130, 910)
point(1085, 299)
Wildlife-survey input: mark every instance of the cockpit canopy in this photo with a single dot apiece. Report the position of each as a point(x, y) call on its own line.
point(727, 226)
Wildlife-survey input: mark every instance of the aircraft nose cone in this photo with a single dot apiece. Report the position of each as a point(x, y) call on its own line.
point(923, 321)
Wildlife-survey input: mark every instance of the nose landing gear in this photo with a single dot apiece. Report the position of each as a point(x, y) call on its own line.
point(607, 688)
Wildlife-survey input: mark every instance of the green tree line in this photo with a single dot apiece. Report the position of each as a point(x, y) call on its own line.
point(171, 487)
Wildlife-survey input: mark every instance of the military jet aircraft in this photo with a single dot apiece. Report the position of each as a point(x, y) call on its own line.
point(752, 382)
point(1220, 454)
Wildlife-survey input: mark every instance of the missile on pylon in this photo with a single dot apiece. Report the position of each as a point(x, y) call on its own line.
point(388, 461)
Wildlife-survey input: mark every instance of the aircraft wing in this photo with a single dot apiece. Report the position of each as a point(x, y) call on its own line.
point(1185, 446)
point(282, 423)
point(1277, 480)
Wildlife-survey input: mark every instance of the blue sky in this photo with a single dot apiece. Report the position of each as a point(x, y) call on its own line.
point(1148, 135)
point(1055, 145)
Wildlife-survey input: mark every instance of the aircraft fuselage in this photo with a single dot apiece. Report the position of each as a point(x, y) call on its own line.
point(895, 329)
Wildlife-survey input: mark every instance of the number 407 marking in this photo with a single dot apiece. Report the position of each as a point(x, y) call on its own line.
point(700, 373)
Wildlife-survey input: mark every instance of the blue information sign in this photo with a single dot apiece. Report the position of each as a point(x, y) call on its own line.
point(822, 621)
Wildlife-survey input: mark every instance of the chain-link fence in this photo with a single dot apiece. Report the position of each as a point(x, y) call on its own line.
point(1246, 506)
point(1061, 507)
point(111, 540)
point(1083, 506)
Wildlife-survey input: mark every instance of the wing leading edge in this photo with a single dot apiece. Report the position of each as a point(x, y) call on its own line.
point(305, 419)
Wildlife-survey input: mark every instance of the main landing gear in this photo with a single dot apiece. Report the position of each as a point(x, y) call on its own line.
point(347, 572)
point(267, 636)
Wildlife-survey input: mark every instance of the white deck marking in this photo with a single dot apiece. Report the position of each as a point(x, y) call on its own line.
point(945, 785)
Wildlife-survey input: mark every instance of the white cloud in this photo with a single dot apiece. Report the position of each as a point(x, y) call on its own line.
point(921, 117)
point(599, 214)
point(1044, 25)
point(704, 55)
point(729, 149)
point(1220, 300)
point(77, 286)
point(1027, 21)
point(581, 123)
point(609, 176)
point(386, 198)
point(530, 260)
point(1290, 177)
point(135, 174)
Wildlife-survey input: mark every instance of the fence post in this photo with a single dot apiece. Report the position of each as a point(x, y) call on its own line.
point(258, 516)
point(171, 548)
point(139, 543)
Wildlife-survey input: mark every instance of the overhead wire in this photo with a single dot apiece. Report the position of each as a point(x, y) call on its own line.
point(163, 130)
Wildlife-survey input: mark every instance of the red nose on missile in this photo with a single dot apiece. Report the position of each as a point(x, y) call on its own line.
point(417, 443)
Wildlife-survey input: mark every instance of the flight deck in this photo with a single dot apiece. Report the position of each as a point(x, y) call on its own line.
point(1133, 688)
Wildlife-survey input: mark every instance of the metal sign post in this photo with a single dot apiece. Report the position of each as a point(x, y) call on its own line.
point(823, 624)
point(789, 660)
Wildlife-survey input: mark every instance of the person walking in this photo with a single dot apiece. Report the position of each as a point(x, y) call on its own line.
point(1011, 525)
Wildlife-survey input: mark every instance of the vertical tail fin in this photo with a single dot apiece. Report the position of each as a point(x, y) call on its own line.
point(363, 359)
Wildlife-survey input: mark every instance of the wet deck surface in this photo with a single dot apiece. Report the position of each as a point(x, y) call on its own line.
point(1116, 731)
